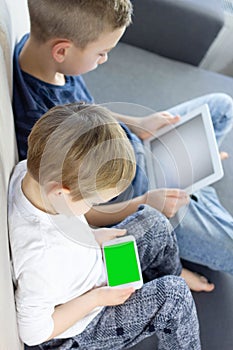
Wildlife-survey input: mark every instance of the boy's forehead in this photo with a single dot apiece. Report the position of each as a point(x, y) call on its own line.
point(107, 40)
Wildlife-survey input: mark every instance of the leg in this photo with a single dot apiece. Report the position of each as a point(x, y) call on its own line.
point(157, 247)
point(156, 242)
point(205, 233)
point(221, 110)
point(163, 306)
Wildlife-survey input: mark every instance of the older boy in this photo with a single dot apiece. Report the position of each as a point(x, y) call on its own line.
point(79, 155)
point(72, 37)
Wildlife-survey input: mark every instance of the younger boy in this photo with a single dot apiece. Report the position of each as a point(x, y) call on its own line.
point(69, 38)
point(79, 155)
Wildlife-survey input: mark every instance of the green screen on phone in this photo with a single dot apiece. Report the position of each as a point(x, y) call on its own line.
point(121, 264)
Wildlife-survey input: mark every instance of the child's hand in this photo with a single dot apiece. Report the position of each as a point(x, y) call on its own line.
point(167, 201)
point(110, 296)
point(106, 234)
point(147, 126)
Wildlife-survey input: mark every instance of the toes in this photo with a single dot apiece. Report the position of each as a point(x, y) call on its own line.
point(224, 155)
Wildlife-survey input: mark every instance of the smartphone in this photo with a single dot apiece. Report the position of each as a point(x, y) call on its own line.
point(122, 263)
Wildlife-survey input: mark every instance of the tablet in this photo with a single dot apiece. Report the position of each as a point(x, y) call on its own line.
point(184, 155)
point(122, 263)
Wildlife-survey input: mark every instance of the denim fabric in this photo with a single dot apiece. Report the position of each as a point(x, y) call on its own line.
point(163, 306)
point(221, 111)
point(139, 184)
point(205, 233)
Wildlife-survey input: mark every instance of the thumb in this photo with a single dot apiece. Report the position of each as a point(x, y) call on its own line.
point(119, 232)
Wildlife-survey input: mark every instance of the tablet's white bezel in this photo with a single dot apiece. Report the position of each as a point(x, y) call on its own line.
point(211, 140)
point(129, 238)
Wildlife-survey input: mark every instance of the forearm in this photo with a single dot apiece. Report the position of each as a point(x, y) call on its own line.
point(110, 214)
point(130, 121)
point(66, 315)
point(166, 200)
point(146, 126)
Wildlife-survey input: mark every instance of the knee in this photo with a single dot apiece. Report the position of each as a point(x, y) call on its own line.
point(154, 220)
point(225, 99)
point(176, 290)
point(225, 103)
point(149, 224)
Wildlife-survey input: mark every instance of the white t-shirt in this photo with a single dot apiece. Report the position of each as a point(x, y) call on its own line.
point(55, 259)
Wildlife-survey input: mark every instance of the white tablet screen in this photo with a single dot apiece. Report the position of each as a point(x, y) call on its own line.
point(181, 157)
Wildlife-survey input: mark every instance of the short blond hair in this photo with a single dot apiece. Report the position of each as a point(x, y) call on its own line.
point(83, 148)
point(81, 21)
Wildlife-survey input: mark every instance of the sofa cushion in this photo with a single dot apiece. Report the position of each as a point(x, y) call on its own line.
point(8, 157)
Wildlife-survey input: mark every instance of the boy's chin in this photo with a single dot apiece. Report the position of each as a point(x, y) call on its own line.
point(90, 69)
point(84, 71)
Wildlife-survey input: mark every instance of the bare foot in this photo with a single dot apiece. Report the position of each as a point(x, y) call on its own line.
point(223, 155)
point(196, 282)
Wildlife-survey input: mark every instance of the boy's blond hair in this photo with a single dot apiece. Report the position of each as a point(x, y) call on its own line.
point(83, 148)
point(81, 21)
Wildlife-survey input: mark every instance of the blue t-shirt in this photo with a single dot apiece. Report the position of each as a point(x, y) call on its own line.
point(33, 97)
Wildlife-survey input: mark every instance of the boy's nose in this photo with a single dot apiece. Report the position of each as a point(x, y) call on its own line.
point(103, 59)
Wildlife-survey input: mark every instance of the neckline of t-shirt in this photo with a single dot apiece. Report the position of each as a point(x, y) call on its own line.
point(25, 206)
point(42, 82)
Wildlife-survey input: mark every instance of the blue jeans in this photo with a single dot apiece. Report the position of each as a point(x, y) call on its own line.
point(205, 234)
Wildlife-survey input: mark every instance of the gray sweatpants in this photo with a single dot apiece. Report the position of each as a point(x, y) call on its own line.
point(164, 305)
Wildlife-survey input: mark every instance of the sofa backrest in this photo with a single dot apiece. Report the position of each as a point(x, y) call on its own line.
point(11, 15)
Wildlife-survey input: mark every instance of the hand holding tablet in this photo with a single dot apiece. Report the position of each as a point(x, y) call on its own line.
point(184, 155)
point(122, 262)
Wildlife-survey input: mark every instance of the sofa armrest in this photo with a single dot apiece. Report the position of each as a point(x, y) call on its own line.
point(179, 29)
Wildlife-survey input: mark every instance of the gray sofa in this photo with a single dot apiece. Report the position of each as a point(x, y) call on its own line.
point(156, 66)
point(137, 72)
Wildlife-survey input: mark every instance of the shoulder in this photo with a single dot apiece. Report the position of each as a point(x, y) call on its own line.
point(17, 175)
point(78, 89)
point(20, 45)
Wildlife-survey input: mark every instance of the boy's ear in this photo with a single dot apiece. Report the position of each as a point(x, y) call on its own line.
point(60, 49)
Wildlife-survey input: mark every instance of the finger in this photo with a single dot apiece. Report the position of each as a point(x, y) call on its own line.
point(182, 201)
point(170, 116)
point(119, 232)
point(128, 292)
point(176, 192)
point(174, 119)
point(174, 204)
point(124, 290)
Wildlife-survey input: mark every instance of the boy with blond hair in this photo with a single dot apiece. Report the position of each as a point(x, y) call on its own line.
point(79, 155)
point(70, 38)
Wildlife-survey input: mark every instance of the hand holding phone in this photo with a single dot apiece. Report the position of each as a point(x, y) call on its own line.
point(122, 263)
point(108, 296)
point(104, 234)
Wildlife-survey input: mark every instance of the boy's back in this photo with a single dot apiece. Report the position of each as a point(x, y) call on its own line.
point(56, 257)
point(48, 64)
point(32, 98)
point(48, 260)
